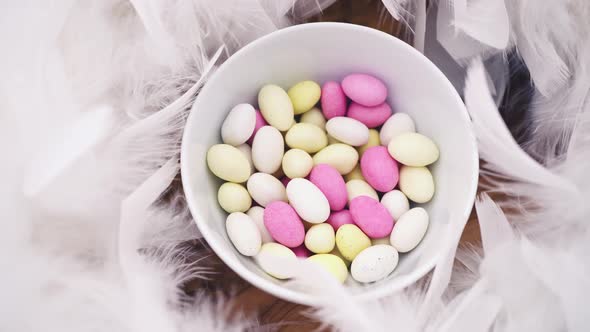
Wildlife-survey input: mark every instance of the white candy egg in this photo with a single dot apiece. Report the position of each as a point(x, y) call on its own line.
point(267, 149)
point(308, 201)
point(396, 203)
point(374, 263)
point(409, 230)
point(243, 233)
point(398, 123)
point(348, 130)
point(265, 189)
point(257, 215)
point(239, 124)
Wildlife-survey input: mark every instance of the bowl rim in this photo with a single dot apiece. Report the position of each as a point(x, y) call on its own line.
point(267, 285)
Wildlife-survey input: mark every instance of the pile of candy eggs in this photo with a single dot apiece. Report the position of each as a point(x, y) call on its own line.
point(332, 185)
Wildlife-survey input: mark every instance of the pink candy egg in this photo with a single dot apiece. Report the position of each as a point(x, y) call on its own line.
point(371, 217)
point(372, 117)
point(283, 224)
point(379, 168)
point(339, 218)
point(364, 89)
point(302, 251)
point(260, 122)
point(333, 100)
point(331, 184)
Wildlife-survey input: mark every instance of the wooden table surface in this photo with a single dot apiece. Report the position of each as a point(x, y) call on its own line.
point(262, 308)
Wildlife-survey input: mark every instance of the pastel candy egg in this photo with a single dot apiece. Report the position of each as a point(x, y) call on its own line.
point(350, 241)
point(272, 257)
point(260, 122)
point(302, 251)
point(276, 107)
point(265, 189)
point(371, 117)
point(267, 150)
point(409, 230)
point(333, 100)
point(297, 163)
point(413, 149)
point(304, 95)
point(256, 213)
point(416, 183)
point(355, 174)
point(320, 239)
point(340, 156)
point(247, 151)
point(348, 131)
point(339, 218)
point(373, 141)
point(331, 184)
point(374, 263)
point(307, 137)
point(243, 233)
point(398, 123)
point(364, 89)
point(308, 200)
point(228, 163)
point(233, 197)
point(396, 203)
point(238, 125)
point(332, 264)
point(314, 117)
point(283, 224)
point(356, 188)
point(379, 169)
point(371, 216)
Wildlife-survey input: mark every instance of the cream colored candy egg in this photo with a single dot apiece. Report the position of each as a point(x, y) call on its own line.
point(308, 201)
point(396, 203)
point(265, 189)
point(373, 141)
point(307, 137)
point(239, 125)
point(416, 183)
point(350, 241)
point(267, 149)
point(228, 163)
point(297, 163)
point(276, 107)
point(233, 197)
point(273, 258)
point(314, 117)
point(243, 233)
point(398, 123)
point(256, 213)
point(355, 174)
point(374, 263)
point(413, 149)
point(409, 230)
point(348, 130)
point(357, 188)
point(320, 239)
point(340, 156)
point(304, 95)
point(332, 264)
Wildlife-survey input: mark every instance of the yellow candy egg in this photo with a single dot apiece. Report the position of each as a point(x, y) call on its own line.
point(233, 197)
point(350, 241)
point(331, 263)
point(340, 156)
point(357, 188)
point(413, 149)
point(307, 137)
point(314, 117)
point(416, 183)
point(320, 239)
point(228, 163)
point(297, 163)
point(373, 141)
point(304, 95)
point(276, 107)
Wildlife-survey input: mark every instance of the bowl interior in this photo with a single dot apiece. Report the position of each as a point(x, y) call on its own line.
point(322, 52)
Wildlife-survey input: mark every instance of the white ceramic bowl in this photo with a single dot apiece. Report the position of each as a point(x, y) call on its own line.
point(322, 52)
